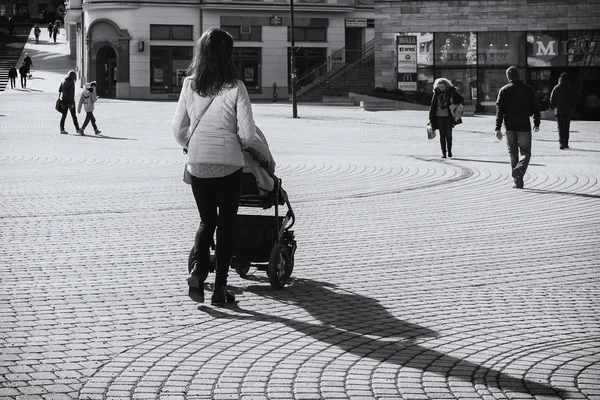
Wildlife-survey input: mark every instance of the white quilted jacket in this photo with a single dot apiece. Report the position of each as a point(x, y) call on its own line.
point(226, 127)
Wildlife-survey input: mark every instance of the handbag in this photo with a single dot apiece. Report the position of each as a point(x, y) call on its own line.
point(457, 111)
point(187, 177)
point(59, 106)
point(430, 132)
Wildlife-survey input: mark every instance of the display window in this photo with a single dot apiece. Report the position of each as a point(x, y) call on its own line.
point(455, 48)
point(246, 61)
point(490, 82)
point(583, 48)
point(501, 48)
point(464, 79)
point(168, 66)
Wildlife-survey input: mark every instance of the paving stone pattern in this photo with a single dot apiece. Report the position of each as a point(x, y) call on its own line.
point(415, 277)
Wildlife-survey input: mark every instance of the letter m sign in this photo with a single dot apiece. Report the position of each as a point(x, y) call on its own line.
point(545, 48)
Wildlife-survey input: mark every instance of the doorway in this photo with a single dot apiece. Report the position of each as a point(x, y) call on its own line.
point(354, 43)
point(106, 71)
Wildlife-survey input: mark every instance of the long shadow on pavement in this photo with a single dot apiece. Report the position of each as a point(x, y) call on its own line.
point(361, 326)
point(542, 191)
point(490, 161)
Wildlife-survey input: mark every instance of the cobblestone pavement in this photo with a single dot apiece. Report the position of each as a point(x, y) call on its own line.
point(415, 277)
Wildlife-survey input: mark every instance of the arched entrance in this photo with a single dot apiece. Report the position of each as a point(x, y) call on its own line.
point(106, 72)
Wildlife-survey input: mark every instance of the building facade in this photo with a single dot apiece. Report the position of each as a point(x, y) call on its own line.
point(39, 10)
point(472, 42)
point(140, 49)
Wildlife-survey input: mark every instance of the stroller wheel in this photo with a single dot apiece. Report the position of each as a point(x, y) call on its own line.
point(279, 266)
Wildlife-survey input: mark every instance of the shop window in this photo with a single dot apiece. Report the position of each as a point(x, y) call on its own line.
point(584, 48)
point(307, 59)
point(464, 79)
point(168, 66)
point(547, 49)
point(490, 83)
point(455, 49)
point(246, 61)
point(244, 33)
point(308, 34)
point(501, 48)
point(171, 32)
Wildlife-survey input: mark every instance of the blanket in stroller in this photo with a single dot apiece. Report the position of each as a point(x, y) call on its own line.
point(260, 162)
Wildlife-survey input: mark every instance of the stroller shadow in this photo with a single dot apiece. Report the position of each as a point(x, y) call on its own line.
point(363, 327)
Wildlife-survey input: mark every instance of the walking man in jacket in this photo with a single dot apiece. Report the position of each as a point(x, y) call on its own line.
point(516, 103)
point(563, 99)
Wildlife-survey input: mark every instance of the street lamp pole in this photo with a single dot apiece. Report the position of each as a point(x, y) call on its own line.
point(293, 62)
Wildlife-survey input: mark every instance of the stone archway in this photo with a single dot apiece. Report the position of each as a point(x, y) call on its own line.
point(108, 58)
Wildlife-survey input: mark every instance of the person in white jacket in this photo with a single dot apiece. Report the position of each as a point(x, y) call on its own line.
point(87, 99)
point(214, 123)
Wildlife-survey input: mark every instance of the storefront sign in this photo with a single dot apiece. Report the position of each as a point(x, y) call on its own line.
point(546, 48)
point(275, 20)
point(407, 62)
point(360, 23)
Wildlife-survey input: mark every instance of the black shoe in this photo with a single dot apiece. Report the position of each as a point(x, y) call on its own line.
point(444, 155)
point(562, 146)
point(196, 286)
point(222, 296)
point(516, 174)
point(566, 146)
point(450, 153)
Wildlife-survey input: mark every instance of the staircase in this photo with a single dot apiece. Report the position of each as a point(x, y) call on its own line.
point(11, 48)
point(338, 79)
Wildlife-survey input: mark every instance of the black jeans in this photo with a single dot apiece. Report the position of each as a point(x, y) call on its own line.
point(89, 117)
point(13, 82)
point(564, 124)
point(210, 194)
point(519, 141)
point(24, 81)
point(67, 108)
point(444, 124)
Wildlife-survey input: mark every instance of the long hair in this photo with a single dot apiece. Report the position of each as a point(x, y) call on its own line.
point(212, 68)
point(445, 81)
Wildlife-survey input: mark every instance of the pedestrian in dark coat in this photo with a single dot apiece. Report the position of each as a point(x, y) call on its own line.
point(36, 32)
point(23, 71)
point(50, 29)
point(28, 62)
point(563, 99)
point(516, 103)
point(67, 89)
point(12, 74)
point(55, 30)
point(444, 97)
point(11, 25)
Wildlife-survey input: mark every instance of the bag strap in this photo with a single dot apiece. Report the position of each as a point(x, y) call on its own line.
point(197, 120)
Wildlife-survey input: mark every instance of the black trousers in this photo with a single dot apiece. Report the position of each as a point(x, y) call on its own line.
point(13, 82)
point(23, 81)
point(564, 125)
point(89, 117)
point(444, 125)
point(212, 194)
point(67, 108)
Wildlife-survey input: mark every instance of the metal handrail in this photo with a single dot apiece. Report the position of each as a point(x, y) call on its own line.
point(367, 50)
point(328, 63)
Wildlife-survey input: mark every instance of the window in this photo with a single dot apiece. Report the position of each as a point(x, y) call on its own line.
point(490, 83)
point(455, 49)
point(171, 32)
point(465, 80)
point(246, 61)
point(168, 65)
point(584, 48)
point(308, 34)
point(244, 33)
point(501, 48)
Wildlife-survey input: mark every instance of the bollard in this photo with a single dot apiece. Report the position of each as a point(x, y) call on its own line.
point(274, 92)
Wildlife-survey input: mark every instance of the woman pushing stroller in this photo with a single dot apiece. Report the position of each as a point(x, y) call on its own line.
point(214, 123)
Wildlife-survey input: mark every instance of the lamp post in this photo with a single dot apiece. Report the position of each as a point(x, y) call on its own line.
point(293, 62)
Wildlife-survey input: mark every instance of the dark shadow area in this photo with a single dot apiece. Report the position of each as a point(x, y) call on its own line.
point(583, 150)
point(542, 191)
point(363, 327)
point(104, 137)
point(489, 161)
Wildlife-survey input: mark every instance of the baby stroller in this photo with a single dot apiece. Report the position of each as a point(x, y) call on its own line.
point(264, 242)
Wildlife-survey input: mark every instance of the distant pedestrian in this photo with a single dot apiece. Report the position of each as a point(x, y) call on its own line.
point(563, 99)
point(28, 61)
point(516, 103)
point(441, 117)
point(11, 25)
point(55, 30)
point(67, 89)
point(50, 29)
point(23, 71)
point(36, 32)
point(592, 105)
point(87, 99)
point(12, 74)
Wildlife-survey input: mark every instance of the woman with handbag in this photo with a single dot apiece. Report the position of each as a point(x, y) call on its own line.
point(445, 112)
point(67, 89)
point(214, 123)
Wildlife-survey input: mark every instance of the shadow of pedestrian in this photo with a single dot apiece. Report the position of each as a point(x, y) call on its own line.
point(490, 161)
point(361, 326)
point(573, 194)
point(104, 137)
